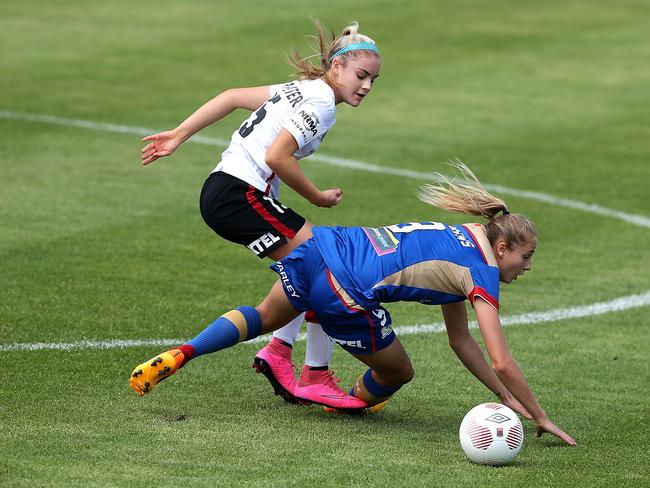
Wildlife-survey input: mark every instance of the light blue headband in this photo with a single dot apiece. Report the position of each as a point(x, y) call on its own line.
point(365, 46)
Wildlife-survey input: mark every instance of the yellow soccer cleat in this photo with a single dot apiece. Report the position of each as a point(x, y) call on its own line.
point(147, 375)
point(374, 409)
point(377, 408)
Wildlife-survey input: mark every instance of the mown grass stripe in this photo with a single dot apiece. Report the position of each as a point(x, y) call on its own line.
point(639, 220)
point(599, 308)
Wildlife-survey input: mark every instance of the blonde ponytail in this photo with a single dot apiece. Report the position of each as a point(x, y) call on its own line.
point(471, 197)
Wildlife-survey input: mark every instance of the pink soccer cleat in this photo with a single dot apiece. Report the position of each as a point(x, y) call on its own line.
point(274, 362)
point(321, 387)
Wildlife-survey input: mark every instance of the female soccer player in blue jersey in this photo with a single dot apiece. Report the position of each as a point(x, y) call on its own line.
point(239, 200)
point(344, 274)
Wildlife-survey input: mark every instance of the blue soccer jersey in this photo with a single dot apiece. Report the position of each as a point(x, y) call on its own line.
point(427, 262)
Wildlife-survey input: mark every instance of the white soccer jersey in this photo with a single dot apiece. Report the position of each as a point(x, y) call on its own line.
point(305, 108)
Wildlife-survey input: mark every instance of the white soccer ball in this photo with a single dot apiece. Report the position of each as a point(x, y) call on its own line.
point(491, 434)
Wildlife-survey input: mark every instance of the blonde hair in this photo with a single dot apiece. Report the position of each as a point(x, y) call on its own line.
point(471, 197)
point(326, 45)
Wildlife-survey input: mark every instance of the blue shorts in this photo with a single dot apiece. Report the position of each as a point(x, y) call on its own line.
point(306, 281)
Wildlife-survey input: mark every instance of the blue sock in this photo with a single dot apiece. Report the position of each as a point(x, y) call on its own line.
point(374, 388)
point(253, 322)
point(225, 331)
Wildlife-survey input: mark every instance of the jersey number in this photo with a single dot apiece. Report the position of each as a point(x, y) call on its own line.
point(245, 130)
point(411, 226)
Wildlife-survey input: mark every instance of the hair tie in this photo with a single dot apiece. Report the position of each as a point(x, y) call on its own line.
point(505, 211)
point(359, 46)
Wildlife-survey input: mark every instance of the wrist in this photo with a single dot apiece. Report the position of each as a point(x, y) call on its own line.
point(540, 417)
point(503, 395)
point(181, 133)
point(316, 198)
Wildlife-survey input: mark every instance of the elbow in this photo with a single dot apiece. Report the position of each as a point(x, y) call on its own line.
point(229, 96)
point(503, 366)
point(455, 345)
point(272, 161)
point(458, 342)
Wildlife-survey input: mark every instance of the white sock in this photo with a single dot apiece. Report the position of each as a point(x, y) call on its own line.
point(289, 332)
point(319, 346)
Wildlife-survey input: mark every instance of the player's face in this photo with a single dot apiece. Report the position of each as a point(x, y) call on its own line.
point(355, 79)
point(516, 261)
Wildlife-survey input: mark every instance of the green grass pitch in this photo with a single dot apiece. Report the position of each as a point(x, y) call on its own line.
point(544, 97)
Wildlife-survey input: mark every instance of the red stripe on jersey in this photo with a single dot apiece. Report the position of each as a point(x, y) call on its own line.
point(478, 244)
point(365, 312)
point(478, 291)
point(266, 215)
point(336, 292)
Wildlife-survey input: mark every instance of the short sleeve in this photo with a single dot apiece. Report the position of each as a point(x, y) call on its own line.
point(485, 284)
point(311, 120)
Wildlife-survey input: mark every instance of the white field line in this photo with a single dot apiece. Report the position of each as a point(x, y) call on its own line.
point(623, 303)
point(599, 308)
point(593, 208)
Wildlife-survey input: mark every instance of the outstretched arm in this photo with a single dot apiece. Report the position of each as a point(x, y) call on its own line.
point(165, 143)
point(508, 371)
point(471, 355)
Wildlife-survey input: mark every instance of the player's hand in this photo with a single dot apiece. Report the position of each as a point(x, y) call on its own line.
point(511, 402)
point(161, 145)
point(329, 198)
point(548, 426)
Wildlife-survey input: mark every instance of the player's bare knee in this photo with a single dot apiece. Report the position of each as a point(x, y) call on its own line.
point(399, 377)
point(406, 374)
point(266, 316)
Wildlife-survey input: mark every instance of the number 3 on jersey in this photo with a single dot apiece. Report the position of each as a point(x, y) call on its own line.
point(411, 226)
point(385, 242)
point(246, 129)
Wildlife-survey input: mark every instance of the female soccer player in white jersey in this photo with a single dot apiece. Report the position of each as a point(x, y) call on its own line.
point(344, 274)
point(239, 200)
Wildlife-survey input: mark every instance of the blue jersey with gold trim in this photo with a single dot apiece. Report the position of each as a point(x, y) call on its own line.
point(427, 262)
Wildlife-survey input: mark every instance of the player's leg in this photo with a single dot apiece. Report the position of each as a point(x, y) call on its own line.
point(367, 335)
point(275, 359)
point(241, 324)
point(279, 361)
point(319, 385)
point(277, 354)
point(319, 344)
point(242, 214)
point(389, 369)
point(317, 355)
point(298, 271)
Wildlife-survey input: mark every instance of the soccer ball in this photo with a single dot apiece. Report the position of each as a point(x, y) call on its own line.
point(491, 434)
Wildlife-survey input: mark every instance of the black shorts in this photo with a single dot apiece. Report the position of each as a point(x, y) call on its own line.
point(241, 213)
